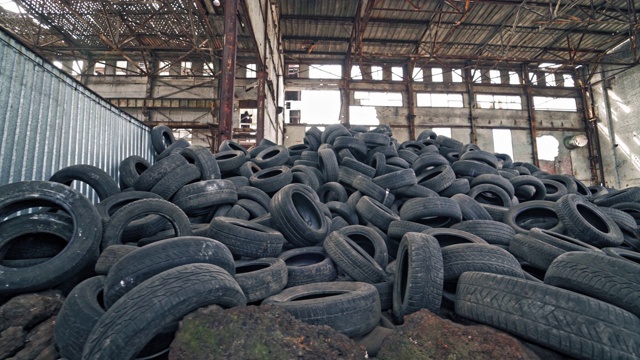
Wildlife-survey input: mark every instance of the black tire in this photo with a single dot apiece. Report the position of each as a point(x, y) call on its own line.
point(343, 210)
point(332, 132)
point(497, 212)
point(367, 187)
point(172, 149)
point(398, 228)
point(272, 179)
point(308, 265)
point(356, 146)
point(624, 220)
point(497, 180)
point(261, 278)
point(121, 218)
point(414, 191)
point(362, 238)
point(561, 241)
point(35, 236)
point(295, 213)
point(230, 160)
point(78, 315)
point(481, 156)
point(332, 192)
point(524, 180)
point(504, 160)
point(375, 213)
point(161, 138)
point(470, 208)
point(148, 261)
point(356, 165)
point(472, 168)
point(437, 179)
point(200, 197)
point(555, 189)
point(248, 169)
point(396, 179)
point(493, 232)
point(315, 177)
point(379, 162)
point(204, 160)
point(631, 194)
point(96, 178)
point(130, 170)
point(385, 293)
point(252, 207)
point(587, 222)
point(418, 281)
point(460, 258)
point(408, 156)
point(537, 213)
point(623, 254)
point(490, 194)
point(246, 238)
point(535, 252)
point(458, 186)
point(236, 212)
point(352, 259)
point(112, 255)
point(351, 308)
point(328, 164)
point(373, 139)
point(427, 161)
point(157, 171)
point(549, 316)
point(175, 180)
point(434, 212)
point(161, 300)
point(599, 276)
point(82, 247)
point(229, 145)
point(257, 195)
point(272, 156)
point(448, 237)
point(567, 181)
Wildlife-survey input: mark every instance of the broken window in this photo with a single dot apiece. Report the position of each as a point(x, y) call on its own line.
point(502, 142)
point(476, 76)
point(490, 101)
point(325, 72)
point(376, 72)
point(397, 73)
point(356, 74)
point(251, 71)
point(121, 67)
point(185, 68)
point(99, 68)
point(548, 147)
point(208, 69)
point(378, 98)
point(554, 103)
point(568, 80)
point(448, 100)
point(436, 75)
point(77, 67)
point(418, 74)
point(293, 70)
point(514, 79)
point(550, 79)
point(164, 68)
point(444, 131)
point(494, 77)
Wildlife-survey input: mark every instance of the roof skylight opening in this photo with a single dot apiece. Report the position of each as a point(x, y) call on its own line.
point(11, 6)
point(549, 66)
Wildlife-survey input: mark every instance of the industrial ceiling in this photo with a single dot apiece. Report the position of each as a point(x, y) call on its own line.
point(566, 32)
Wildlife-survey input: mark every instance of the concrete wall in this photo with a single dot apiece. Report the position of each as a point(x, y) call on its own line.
point(616, 95)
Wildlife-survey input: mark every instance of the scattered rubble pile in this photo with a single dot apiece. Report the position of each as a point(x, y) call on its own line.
point(329, 239)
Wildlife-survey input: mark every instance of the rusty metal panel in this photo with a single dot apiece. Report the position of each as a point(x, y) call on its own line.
point(48, 121)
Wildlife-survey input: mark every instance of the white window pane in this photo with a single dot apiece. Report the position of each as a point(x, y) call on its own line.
point(251, 71)
point(502, 142)
point(397, 73)
point(554, 104)
point(325, 71)
point(439, 100)
point(376, 72)
point(423, 100)
point(436, 75)
point(550, 79)
point(456, 75)
point(455, 100)
point(513, 78)
point(164, 66)
point(121, 67)
point(568, 80)
point(476, 75)
point(418, 74)
point(444, 131)
point(494, 76)
point(356, 74)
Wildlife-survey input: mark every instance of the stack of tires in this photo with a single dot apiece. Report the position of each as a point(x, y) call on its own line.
point(337, 230)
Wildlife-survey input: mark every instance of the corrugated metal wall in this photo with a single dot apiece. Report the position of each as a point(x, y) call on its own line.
point(48, 121)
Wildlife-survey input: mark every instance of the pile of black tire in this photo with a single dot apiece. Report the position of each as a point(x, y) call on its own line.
point(336, 231)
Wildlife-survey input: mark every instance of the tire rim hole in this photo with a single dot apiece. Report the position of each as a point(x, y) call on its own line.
point(305, 259)
point(592, 218)
point(243, 269)
point(322, 295)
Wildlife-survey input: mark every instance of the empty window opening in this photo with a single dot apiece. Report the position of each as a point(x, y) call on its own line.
point(325, 71)
point(490, 101)
point(164, 68)
point(550, 79)
point(77, 67)
point(548, 147)
point(502, 142)
point(57, 64)
point(397, 73)
point(208, 69)
point(514, 79)
point(554, 103)
point(436, 75)
point(356, 74)
point(448, 100)
point(185, 68)
point(494, 77)
point(375, 98)
point(476, 76)
point(444, 131)
point(293, 70)
point(568, 80)
point(533, 78)
point(318, 106)
point(121, 67)
point(418, 74)
point(251, 71)
point(363, 115)
point(99, 68)
point(456, 75)
point(376, 72)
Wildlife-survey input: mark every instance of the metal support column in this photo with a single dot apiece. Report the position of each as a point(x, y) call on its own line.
point(468, 80)
point(532, 116)
point(228, 71)
point(411, 117)
point(591, 128)
point(262, 76)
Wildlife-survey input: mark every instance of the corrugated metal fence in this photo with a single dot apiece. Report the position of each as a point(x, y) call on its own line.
point(48, 121)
